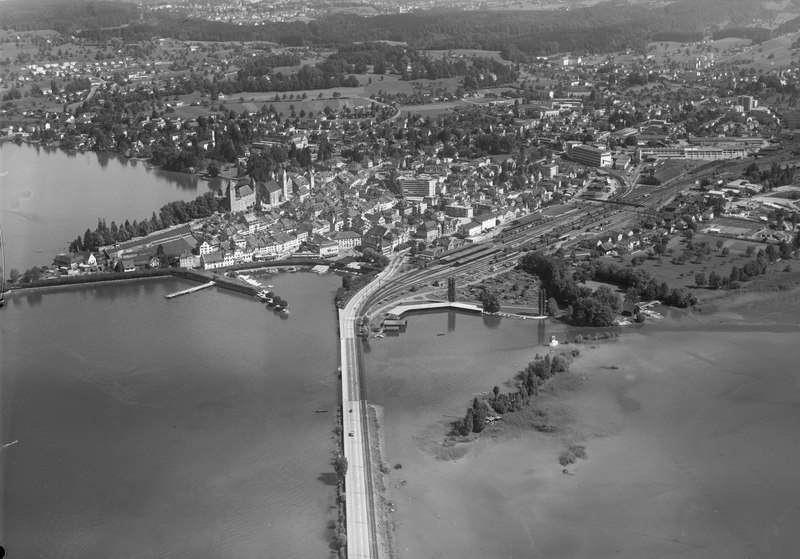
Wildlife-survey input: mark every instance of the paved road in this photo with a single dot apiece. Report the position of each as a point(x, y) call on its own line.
point(92, 92)
point(361, 525)
point(391, 118)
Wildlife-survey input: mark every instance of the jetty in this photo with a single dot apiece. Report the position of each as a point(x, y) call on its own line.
point(190, 290)
point(393, 320)
point(397, 312)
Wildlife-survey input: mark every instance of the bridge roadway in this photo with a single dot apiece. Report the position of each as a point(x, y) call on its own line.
point(362, 539)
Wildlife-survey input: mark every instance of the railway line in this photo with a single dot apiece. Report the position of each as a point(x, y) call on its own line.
point(535, 235)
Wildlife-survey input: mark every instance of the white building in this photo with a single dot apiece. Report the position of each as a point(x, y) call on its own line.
point(589, 155)
point(418, 187)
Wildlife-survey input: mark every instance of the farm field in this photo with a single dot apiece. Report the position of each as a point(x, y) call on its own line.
point(254, 102)
point(467, 53)
point(772, 53)
point(667, 269)
point(431, 109)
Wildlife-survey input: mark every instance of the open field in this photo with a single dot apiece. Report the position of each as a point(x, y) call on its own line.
point(467, 53)
point(253, 103)
point(729, 226)
point(389, 84)
point(431, 109)
point(664, 51)
point(683, 275)
point(774, 53)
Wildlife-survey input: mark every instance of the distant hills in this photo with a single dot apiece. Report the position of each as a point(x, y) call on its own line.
point(602, 27)
point(65, 16)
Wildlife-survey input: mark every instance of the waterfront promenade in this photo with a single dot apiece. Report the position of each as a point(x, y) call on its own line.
point(361, 525)
point(399, 310)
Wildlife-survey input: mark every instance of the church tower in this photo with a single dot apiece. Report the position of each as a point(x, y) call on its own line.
point(230, 193)
point(285, 183)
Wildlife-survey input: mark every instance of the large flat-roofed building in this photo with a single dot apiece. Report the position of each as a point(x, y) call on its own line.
point(693, 152)
point(418, 187)
point(549, 171)
point(457, 210)
point(568, 102)
point(748, 102)
point(588, 155)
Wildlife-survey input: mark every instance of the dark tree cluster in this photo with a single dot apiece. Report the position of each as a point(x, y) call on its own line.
point(263, 64)
point(763, 258)
point(490, 301)
point(597, 308)
point(372, 256)
point(638, 281)
point(173, 213)
point(537, 372)
point(412, 64)
point(327, 74)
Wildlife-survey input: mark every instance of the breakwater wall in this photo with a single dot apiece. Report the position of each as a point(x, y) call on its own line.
point(192, 275)
point(93, 278)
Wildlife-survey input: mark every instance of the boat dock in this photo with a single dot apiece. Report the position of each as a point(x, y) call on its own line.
point(190, 290)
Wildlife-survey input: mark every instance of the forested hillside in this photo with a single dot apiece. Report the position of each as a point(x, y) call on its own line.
point(604, 27)
point(65, 16)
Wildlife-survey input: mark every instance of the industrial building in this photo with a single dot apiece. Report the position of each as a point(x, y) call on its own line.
point(589, 155)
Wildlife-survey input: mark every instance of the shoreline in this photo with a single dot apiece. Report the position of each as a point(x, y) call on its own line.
point(383, 505)
point(183, 273)
point(33, 288)
point(57, 145)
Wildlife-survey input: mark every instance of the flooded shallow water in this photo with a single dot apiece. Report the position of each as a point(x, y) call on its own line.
point(689, 428)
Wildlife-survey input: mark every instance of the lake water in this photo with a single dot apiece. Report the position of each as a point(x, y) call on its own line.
point(49, 196)
point(168, 428)
point(690, 428)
